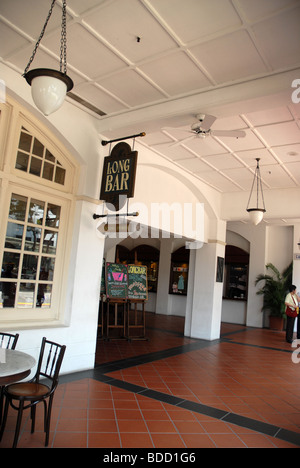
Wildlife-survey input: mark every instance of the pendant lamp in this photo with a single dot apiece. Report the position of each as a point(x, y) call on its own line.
point(49, 87)
point(257, 211)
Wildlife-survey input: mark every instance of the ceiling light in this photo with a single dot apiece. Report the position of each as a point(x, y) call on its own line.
point(49, 87)
point(257, 211)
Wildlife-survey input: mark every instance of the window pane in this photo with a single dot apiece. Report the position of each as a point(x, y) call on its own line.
point(48, 171)
point(49, 156)
point(33, 239)
point(38, 148)
point(17, 208)
point(14, 236)
point(25, 142)
point(60, 175)
point(26, 296)
point(36, 212)
point(53, 215)
point(29, 266)
point(22, 161)
point(50, 242)
point(44, 296)
point(47, 268)
point(35, 166)
point(10, 265)
point(8, 292)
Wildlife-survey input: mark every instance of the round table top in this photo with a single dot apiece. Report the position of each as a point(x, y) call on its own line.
point(13, 362)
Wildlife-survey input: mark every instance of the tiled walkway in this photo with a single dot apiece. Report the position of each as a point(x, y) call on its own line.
point(170, 391)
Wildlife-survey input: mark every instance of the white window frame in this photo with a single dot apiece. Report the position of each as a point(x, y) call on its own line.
point(13, 180)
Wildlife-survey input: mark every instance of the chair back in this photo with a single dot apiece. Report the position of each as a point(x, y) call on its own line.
point(8, 341)
point(50, 360)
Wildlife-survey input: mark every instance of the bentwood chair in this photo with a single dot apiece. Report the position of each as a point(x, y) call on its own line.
point(24, 395)
point(7, 341)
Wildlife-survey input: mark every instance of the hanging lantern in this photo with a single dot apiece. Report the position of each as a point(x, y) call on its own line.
point(49, 87)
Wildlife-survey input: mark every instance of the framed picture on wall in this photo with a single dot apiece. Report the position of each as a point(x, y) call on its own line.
point(179, 278)
point(220, 270)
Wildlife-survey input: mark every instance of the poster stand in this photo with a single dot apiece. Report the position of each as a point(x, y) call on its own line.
point(100, 318)
point(138, 322)
point(118, 316)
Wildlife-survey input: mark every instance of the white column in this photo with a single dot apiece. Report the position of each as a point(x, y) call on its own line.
point(204, 304)
point(163, 299)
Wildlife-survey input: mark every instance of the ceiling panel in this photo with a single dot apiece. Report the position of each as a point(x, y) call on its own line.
point(233, 59)
point(175, 74)
point(121, 23)
point(279, 38)
point(194, 19)
point(229, 57)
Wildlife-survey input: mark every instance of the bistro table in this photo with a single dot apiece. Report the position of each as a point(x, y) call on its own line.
point(14, 365)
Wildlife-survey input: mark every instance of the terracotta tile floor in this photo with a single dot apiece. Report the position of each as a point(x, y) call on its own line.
point(241, 391)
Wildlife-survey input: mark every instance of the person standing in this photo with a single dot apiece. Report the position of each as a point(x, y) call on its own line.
point(291, 310)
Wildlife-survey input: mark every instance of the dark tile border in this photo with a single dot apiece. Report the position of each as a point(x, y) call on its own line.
point(100, 372)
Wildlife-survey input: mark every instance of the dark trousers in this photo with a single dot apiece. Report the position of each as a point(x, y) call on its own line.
point(290, 322)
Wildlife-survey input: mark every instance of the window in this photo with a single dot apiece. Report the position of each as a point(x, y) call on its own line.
point(38, 180)
point(34, 158)
point(29, 254)
point(236, 273)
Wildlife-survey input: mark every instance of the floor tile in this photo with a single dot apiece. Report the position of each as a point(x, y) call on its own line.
point(172, 391)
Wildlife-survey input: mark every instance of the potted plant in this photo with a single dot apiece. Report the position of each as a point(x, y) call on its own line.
point(274, 291)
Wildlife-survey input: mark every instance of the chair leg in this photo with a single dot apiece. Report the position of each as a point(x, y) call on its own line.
point(18, 425)
point(1, 403)
point(32, 415)
point(48, 419)
point(3, 422)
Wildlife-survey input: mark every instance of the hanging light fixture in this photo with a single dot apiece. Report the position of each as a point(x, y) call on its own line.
point(49, 87)
point(256, 214)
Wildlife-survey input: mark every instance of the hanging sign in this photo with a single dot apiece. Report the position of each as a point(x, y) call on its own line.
point(137, 282)
point(118, 177)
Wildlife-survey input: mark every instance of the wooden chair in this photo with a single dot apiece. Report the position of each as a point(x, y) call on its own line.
point(7, 341)
point(26, 395)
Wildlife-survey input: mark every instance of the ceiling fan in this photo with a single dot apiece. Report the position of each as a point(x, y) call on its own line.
point(202, 129)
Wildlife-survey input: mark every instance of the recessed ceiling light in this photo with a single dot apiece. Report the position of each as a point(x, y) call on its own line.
point(293, 153)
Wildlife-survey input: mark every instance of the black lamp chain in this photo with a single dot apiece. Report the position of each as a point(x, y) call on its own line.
point(63, 41)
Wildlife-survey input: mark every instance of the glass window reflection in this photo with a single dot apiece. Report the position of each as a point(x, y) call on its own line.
point(29, 266)
point(50, 242)
point(33, 239)
point(10, 265)
point(8, 293)
point(14, 235)
point(17, 208)
point(26, 295)
point(44, 296)
point(47, 268)
point(36, 212)
point(53, 215)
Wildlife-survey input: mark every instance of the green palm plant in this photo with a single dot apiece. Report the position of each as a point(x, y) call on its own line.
point(275, 288)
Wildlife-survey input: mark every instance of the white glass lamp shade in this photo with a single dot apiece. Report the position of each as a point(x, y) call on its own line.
point(256, 215)
point(48, 88)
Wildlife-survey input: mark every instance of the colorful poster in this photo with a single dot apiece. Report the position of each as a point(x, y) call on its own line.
point(116, 281)
point(137, 282)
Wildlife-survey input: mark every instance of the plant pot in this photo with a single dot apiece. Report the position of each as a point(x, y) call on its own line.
point(276, 323)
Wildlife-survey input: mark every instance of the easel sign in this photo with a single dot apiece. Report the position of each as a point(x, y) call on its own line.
point(137, 282)
point(116, 281)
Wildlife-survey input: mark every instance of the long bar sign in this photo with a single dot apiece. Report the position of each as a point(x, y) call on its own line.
point(118, 178)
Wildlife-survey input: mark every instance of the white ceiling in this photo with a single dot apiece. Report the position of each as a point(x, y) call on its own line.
point(153, 65)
